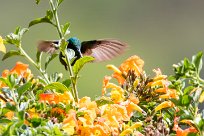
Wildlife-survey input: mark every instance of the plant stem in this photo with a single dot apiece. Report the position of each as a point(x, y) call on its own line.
point(73, 80)
point(56, 19)
point(33, 62)
point(15, 99)
point(201, 81)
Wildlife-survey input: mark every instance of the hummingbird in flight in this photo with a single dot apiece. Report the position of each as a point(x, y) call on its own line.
point(101, 49)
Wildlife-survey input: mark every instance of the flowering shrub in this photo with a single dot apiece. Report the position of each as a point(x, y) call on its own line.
point(136, 105)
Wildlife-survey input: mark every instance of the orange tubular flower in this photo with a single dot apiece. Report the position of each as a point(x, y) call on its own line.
point(5, 73)
point(165, 104)
point(133, 63)
point(133, 107)
point(105, 83)
point(167, 93)
point(114, 114)
point(50, 98)
point(181, 132)
point(57, 111)
point(20, 68)
point(70, 124)
point(159, 80)
point(133, 99)
point(9, 115)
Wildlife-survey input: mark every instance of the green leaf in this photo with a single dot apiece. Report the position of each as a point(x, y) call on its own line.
point(49, 14)
point(65, 29)
point(21, 115)
point(175, 101)
point(46, 19)
point(188, 89)
point(40, 20)
point(22, 89)
point(57, 86)
point(22, 32)
point(36, 122)
point(184, 114)
point(57, 131)
point(5, 81)
point(102, 102)
point(67, 83)
point(186, 99)
point(17, 30)
point(49, 59)
point(10, 106)
point(59, 2)
point(5, 121)
point(199, 122)
point(8, 129)
point(13, 39)
point(11, 53)
point(63, 45)
point(80, 63)
point(37, 1)
point(38, 57)
point(197, 61)
point(11, 80)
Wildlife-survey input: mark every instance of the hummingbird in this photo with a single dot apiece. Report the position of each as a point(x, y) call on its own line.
point(101, 49)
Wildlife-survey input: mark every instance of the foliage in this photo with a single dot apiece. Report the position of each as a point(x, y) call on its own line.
point(136, 105)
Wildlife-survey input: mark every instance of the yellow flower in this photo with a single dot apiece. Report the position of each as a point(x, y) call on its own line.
point(2, 46)
point(65, 97)
point(88, 118)
point(117, 93)
point(201, 99)
point(117, 96)
point(70, 124)
point(115, 110)
point(114, 68)
point(165, 104)
point(159, 75)
point(133, 99)
point(187, 121)
point(85, 103)
point(130, 130)
point(9, 115)
point(133, 107)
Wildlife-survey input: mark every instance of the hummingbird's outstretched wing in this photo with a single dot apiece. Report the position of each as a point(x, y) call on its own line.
point(103, 49)
point(47, 46)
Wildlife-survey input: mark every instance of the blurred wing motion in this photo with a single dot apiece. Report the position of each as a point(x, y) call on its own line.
point(103, 49)
point(47, 46)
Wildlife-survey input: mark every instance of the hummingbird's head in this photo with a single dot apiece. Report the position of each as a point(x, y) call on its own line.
point(75, 42)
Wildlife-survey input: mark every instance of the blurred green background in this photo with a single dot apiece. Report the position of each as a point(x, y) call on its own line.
point(161, 32)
